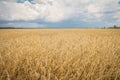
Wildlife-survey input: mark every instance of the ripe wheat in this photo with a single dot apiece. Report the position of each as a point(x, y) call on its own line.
point(60, 54)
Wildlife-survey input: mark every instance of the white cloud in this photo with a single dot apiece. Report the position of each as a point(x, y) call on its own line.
point(26, 11)
point(15, 11)
point(94, 9)
point(58, 10)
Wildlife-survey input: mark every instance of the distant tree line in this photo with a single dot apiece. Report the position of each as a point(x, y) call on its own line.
point(113, 27)
point(7, 27)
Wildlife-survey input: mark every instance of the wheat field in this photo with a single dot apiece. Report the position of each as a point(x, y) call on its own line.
point(60, 54)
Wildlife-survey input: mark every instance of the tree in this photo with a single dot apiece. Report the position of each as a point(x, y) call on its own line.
point(114, 26)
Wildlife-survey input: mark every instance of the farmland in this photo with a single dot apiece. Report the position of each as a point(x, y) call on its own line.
point(59, 54)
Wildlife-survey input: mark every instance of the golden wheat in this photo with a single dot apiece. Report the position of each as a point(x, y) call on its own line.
point(60, 54)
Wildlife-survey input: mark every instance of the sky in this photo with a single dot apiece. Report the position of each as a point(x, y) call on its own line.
point(59, 13)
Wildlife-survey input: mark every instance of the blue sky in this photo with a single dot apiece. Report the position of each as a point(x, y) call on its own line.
point(59, 13)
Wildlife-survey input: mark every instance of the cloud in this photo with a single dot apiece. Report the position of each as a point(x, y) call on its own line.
point(117, 17)
point(22, 1)
point(23, 25)
point(15, 11)
point(45, 10)
point(60, 10)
